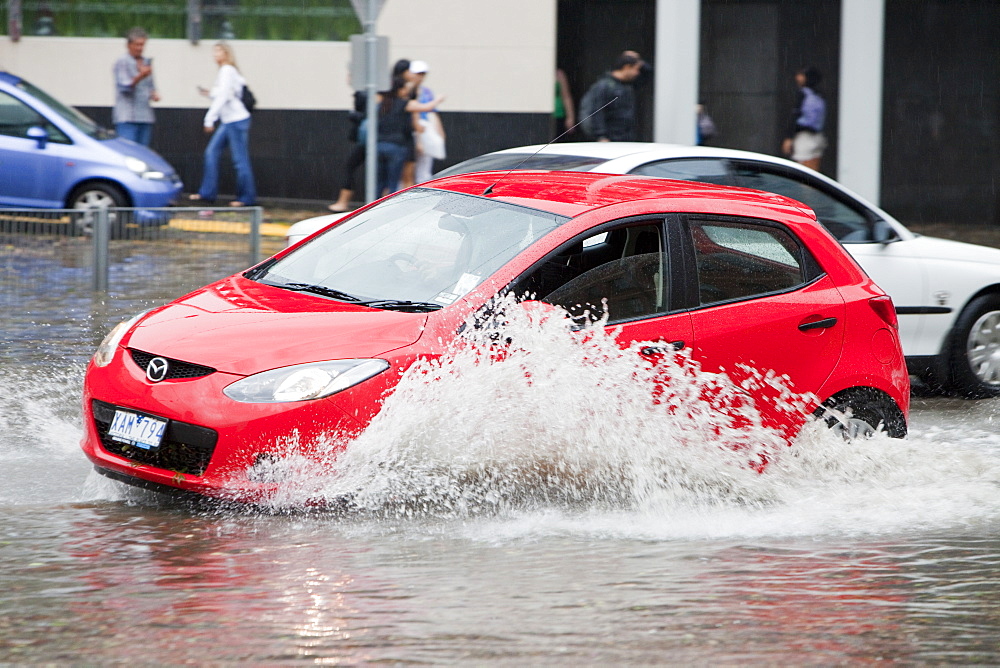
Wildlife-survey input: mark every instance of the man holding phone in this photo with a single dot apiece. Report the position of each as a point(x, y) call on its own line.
point(134, 90)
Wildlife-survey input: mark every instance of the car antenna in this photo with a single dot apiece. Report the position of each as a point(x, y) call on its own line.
point(528, 157)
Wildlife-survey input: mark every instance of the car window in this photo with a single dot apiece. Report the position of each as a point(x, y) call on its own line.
point(846, 222)
point(422, 245)
point(623, 269)
point(741, 260)
point(540, 161)
point(16, 118)
point(702, 170)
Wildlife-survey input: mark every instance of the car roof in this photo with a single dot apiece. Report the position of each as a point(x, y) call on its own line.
point(647, 150)
point(574, 193)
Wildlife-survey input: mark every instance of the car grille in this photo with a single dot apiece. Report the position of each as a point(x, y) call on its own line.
point(186, 448)
point(176, 370)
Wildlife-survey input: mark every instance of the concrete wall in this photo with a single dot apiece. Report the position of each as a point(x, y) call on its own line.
point(493, 61)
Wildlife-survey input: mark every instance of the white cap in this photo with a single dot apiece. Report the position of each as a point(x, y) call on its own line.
point(418, 66)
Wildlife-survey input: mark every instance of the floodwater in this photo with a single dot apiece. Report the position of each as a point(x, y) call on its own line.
point(838, 553)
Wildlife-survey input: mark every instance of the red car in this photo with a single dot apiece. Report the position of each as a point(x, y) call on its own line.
point(196, 395)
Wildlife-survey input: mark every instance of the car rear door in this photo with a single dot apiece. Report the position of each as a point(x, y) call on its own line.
point(870, 240)
point(761, 302)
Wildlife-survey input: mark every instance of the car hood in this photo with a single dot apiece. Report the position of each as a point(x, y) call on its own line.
point(130, 148)
point(248, 333)
point(946, 249)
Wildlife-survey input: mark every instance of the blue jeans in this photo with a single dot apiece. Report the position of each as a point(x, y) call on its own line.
point(237, 137)
point(140, 133)
point(390, 166)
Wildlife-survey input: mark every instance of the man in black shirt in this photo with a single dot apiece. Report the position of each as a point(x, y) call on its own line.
point(617, 121)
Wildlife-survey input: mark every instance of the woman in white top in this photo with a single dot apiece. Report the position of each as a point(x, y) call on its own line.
point(233, 131)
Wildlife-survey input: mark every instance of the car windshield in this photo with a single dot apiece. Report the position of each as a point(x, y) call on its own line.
point(541, 161)
point(420, 250)
point(81, 122)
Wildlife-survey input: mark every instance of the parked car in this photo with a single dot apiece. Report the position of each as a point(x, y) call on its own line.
point(947, 293)
point(743, 282)
point(54, 157)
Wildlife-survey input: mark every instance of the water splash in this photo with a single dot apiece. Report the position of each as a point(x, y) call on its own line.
point(554, 416)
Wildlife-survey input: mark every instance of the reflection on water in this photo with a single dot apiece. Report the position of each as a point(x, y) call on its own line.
point(843, 554)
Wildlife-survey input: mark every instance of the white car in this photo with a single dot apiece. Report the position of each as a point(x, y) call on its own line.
point(947, 293)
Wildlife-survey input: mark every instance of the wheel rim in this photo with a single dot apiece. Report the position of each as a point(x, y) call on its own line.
point(983, 349)
point(89, 201)
point(851, 428)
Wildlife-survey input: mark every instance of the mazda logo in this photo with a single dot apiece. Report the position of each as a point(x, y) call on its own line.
point(157, 369)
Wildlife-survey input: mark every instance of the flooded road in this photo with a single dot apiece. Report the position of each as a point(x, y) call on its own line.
point(838, 554)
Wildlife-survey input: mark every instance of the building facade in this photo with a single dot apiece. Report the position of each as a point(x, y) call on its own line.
point(912, 86)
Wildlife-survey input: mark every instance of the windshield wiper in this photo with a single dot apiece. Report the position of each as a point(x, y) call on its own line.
point(402, 305)
point(320, 290)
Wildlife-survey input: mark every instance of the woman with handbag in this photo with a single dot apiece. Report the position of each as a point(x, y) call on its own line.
point(234, 131)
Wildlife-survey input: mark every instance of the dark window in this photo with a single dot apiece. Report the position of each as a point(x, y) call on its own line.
point(16, 118)
point(623, 270)
point(506, 161)
point(741, 260)
point(844, 220)
point(701, 170)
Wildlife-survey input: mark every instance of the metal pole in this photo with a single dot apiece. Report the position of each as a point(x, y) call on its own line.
point(101, 236)
point(256, 218)
point(14, 20)
point(371, 77)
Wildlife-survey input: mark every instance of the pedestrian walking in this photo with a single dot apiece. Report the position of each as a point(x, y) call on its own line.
point(614, 91)
point(233, 131)
point(805, 142)
point(430, 137)
point(396, 123)
point(132, 114)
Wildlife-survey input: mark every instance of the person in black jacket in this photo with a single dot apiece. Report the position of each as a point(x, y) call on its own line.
point(617, 121)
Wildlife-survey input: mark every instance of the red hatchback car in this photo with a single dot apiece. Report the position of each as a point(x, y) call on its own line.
point(195, 394)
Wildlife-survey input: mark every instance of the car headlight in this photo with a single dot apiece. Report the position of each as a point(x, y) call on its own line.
point(303, 382)
point(106, 351)
point(142, 169)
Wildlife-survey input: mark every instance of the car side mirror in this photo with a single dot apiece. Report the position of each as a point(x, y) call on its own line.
point(884, 232)
point(39, 134)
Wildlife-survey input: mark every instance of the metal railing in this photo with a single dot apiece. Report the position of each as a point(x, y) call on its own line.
point(117, 249)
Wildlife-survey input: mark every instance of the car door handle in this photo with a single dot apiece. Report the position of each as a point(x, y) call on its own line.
point(825, 323)
point(662, 349)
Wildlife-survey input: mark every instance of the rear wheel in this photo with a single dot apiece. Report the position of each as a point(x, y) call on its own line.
point(862, 411)
point(974, 354)
point(90, 197)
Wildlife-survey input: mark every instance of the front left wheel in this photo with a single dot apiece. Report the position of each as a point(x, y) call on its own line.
point(90, 197)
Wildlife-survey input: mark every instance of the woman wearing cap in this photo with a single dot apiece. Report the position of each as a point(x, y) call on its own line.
point(430, 133)
point(396, 121)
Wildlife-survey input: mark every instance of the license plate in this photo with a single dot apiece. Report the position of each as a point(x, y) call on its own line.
point(141, 431)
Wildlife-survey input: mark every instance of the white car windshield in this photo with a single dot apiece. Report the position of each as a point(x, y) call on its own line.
point(421, 250)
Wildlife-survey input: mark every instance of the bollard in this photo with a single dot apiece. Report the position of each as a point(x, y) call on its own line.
point(256, 219)
point(100, 237)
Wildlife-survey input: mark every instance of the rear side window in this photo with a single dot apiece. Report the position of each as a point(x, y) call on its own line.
point(541, 161)
point(844, 222)
point(701, 170)
point(743, 260)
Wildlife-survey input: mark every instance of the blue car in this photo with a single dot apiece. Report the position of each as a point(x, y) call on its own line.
point(54, 157)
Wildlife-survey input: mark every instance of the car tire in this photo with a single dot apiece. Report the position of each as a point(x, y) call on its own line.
point(91, 196)
point(974, 352)
point(860, 412)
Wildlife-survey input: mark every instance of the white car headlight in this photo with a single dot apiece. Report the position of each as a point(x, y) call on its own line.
point(136, 165)
point(303, 382)
point(106, 351)
point(142, 169)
